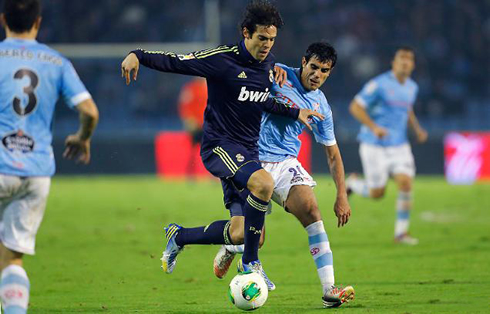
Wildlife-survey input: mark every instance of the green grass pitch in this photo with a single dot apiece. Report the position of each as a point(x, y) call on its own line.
point(99, 247)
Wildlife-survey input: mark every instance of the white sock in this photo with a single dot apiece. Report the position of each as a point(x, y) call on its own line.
point(403, 207)
point(235, 248)
point(14, 289)
point(358, 186)
point(321, 253)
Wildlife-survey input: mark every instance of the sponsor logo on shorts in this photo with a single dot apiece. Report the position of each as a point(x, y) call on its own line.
point(314, 251)
point(297, 179)
point(18, 141)
point(239, 158)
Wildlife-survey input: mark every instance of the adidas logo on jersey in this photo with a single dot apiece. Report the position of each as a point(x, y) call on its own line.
point(254, 96)
point(242, 75)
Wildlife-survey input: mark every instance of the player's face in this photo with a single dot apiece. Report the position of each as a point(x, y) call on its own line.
point(260, 43)
point(403, 62)
point(314, 72)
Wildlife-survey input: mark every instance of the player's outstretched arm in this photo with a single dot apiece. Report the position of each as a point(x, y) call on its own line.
point(78, 145)
point(360, 114)
point(341, 207)
point(413, 122)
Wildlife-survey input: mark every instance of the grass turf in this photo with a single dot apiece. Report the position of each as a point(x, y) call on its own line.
point(99, 246)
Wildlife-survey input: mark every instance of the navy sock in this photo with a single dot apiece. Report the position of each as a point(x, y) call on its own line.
point(216, 232)
point(254, 210)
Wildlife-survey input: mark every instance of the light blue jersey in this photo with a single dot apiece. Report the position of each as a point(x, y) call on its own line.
point(32, 78)
point(279, 135)
point(388, 103)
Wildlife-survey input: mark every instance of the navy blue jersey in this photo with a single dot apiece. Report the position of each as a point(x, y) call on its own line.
point(238, 90)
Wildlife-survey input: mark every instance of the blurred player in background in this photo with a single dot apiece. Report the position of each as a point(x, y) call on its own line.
point(192, 102)
point(239, 78)
point(279, 147)
point(32, 77)
point(385, 107)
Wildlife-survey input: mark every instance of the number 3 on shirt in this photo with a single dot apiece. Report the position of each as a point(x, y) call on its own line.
point(29, 90)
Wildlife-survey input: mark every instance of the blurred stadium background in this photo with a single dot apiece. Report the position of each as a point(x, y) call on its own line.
point(451, 38)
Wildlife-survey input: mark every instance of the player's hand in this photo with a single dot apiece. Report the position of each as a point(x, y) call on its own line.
point(305, 114)
point(280, 75)
point(379, 131)
point(77, 148)
point(342, 210)
point(421, 135)
point(129, 64)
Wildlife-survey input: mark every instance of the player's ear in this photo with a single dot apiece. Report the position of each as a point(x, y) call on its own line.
point(246, 33)
point(2, 20)
point(37, 23)
point(303, 62)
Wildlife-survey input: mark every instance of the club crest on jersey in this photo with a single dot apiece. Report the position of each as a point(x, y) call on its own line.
point(239, 158)
point(271, 76)
point(18, 141)
point(254, 96)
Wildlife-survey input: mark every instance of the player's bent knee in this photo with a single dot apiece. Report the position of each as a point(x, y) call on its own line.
point(237, 235)
point(261, 184)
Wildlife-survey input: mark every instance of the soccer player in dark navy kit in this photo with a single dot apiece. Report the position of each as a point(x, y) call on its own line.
point(239, 79)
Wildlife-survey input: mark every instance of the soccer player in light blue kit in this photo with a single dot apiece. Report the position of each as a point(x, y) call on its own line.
point(278, 149)
point(32, 77)
point(385, 107)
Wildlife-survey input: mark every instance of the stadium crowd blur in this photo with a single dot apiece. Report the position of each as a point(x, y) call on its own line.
point(451, 38)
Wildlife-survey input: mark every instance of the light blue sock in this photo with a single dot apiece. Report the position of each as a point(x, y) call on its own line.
point(321, 253)
point(403, 208)
point(14, 290)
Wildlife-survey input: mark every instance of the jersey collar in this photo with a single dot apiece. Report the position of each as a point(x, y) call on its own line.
point(20, 40)
point(245, 55)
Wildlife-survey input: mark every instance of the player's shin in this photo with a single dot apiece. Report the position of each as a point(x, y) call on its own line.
point(403, 207)
point(321, 253)
point(14, 289)
point(216, 232)
point(254, 210)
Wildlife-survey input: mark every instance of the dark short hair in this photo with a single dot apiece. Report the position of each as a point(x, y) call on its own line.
point(20, 15)
point(405, 48)
point(260, 12)
point(323, 51)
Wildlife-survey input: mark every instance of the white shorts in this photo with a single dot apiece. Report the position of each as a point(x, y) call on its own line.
point(287, 174)
point(22, 205)
point(379, 162)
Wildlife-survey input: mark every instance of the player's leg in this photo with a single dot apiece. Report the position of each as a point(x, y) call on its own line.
point(295, 189)
point(403, 173)
point(375, 169)
point(20, 220)
point(260, 184)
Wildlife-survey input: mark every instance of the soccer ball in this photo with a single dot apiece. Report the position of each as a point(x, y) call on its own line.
point(248, 291)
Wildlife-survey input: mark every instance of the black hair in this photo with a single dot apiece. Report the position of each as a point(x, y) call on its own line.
point(405, 48)
point(260, 12)
point(323, 51)
point(20, 15)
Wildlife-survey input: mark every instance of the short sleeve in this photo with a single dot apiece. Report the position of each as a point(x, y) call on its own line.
point(72, 88)
point(369, 94)
point(323, 130)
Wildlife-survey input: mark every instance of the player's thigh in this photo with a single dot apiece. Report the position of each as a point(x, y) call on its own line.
point(233, 162)
point(287, 174)
point(24, 214)
point(374, 165)
point(302, 203)
point(402, 164)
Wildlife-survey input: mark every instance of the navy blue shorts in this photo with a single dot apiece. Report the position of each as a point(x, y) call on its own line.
point(233, 164)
